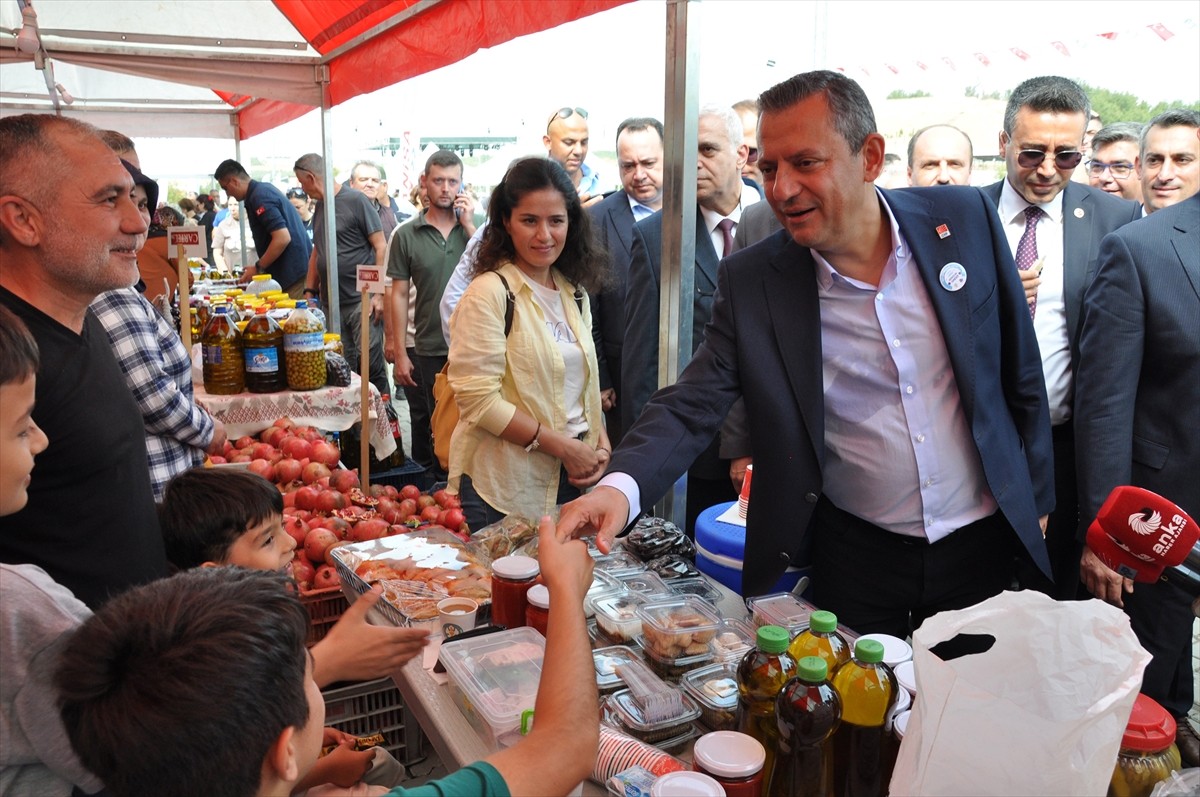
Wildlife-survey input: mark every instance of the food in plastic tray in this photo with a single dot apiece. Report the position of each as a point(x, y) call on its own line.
point(626, 711)
point(616, 615)
point(618, 751)
point(672, 566)
point(715, 691)
point(733, 640)
point(645, 583)
point(505, 537)
point(607, 660)
point(496, 679)
point(619, 563)
point(436, 559)
point(653, 537)
point(673, 669)
point(678, 627)
point(782, 609)
point(413, 599)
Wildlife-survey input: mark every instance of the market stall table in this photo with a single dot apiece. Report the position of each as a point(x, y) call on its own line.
point(332, 409)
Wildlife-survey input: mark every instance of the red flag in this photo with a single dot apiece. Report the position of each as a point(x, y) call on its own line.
point(895, 71)
point(949, 63)
point(922, 66)
point(841, 69)
point(1062, 48)
point(983, 59)
point(1109, 36)
point(1161, 30)
point(1019, 53)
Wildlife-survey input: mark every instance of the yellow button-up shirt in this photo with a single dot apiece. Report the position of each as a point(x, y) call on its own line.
point(492, 377)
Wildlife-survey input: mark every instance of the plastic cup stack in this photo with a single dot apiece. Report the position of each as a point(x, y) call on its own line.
point(744, 496)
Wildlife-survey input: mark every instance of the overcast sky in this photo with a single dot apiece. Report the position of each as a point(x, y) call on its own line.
point(613, 63)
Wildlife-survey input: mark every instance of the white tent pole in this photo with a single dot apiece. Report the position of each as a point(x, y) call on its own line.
point(331, 259)
point(237, 156)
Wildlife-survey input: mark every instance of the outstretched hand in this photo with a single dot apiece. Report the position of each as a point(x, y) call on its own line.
point(603, 512)
point(355, 650)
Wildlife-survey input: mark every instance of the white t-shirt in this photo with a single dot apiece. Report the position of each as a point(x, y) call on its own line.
point(574, 376)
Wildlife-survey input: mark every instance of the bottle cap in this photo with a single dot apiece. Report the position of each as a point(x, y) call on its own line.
point(868, 651)
point(261, 310)
point(1151, 727)
point(539, 596)
point(822, 621)
point(812, 668)
point(686, 784)
point(301, 304)
point(729, 754)
point(772, 639)
point(261, 277)
point(516, 568)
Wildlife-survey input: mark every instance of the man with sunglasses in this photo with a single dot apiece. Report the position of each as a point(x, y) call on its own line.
point(1054, 227)
point(1113, 167)
point(566, 141)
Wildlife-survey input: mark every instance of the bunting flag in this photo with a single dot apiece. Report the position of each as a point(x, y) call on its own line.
point(922, 66)
point(1019, 53)
point(983, 59)
point(1161, 30)
point(950, 64)
point(895, 71)
point(1062, 48)
point(1109, 36)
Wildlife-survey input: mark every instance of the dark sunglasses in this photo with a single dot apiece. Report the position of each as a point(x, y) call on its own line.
point(565, 113)
point(296, 193)
point(752, 156)
point(1032, 158)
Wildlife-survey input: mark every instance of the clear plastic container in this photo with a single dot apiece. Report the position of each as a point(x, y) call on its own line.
point(616, 615)
point(262, 283)
point(304, 349)
point(700, 587)
point(782, 609)
point(628, 713)
point(714, 688)
point(606, 661)
point(496, 680)
point(645, 583)
point(733, 640)
point(602, 583)
point(679, 627)
point(619, 563)
point(672, 668)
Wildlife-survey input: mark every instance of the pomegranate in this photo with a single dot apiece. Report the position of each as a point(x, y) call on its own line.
point(378, 491)
point(391, 492)
point(430, 514)
point(389, 510)
point(410, 491)
point(426, 501)
point(284, 423)
point(306, 498)
point(263, 468)
point(371, 529)
point(314, 471)
point(287, 470)
point(308, 433)
point(338, 526)
point(262, 451)
point(330, 501)
point(326, 577)
point(245, 441)
point(296, 447)
point(217, 460)
point(326, 452)
point(343, 480)
point(241, 456)
point(296, 528)
point(303, 571)
point(316, 542)
point(452, 518)
point(440, 497)
point(272, 435)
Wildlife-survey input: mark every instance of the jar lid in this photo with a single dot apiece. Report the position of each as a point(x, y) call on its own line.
point(729, 754)
point(900, 724)
point(812, 668)
point(686, 784)
point(539, 596)
point(1151, 727)
point(822, 621)
point(868, 651)
point(895, 649)
point(906, 676)
point(772, 639)
point(516, 568)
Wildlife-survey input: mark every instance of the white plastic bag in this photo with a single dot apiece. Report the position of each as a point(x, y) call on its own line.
point(1041, 712)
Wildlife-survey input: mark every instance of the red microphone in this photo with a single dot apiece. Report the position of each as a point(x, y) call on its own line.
point(1144, 537)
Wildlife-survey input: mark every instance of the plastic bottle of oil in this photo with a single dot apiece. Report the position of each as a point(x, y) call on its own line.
point(808, 711)
point(222, 346)
point(867, 688)
point(821, 639)
point(262, 346)
point(761, 676)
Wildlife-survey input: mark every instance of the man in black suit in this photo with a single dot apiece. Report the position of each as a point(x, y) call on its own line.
point(1137, 414)
point(1054, 227)
point(640, 161)
point(721, 196)
point(891, 378)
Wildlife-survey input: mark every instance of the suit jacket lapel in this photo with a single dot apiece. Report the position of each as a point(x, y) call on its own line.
point(706, 258)
point(622, 223)
point(790, 288)
point(1077, 245)
point(1187, 241)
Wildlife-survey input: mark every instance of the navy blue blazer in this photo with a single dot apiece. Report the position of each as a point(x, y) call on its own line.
point(612, 224)
point(764, 343)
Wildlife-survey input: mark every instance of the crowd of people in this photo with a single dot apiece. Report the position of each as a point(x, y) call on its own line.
point(937, 387)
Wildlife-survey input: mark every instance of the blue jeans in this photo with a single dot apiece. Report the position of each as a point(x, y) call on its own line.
point(479, 513)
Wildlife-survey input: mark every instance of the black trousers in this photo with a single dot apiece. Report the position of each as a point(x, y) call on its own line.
point(418, 419)
point(1062, 529)
point(879, 582)
point(1161, 616)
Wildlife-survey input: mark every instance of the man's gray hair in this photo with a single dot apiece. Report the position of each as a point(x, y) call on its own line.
point(850, 110)
point(733, 125)
point(1047, 94)
point(312, 163)
point(1116, 132)
point(370, 164)
point(1175, 117)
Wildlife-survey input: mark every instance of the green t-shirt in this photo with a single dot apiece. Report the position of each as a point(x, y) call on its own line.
point(419, 253)
point(480, 779)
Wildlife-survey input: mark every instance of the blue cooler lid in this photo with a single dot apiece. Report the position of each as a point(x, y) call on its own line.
point(723, 539)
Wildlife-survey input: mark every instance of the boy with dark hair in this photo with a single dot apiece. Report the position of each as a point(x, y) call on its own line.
point(204, 679)
point(37, 613)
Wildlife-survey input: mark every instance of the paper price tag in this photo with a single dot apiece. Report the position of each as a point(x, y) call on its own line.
point(193, 240)
point(370, 279)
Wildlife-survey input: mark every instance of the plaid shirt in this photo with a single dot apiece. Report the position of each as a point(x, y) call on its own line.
point(158, 372)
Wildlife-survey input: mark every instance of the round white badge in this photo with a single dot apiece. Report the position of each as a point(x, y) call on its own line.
point(953, 276)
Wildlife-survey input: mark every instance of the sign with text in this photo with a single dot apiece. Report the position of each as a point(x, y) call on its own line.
point(192, 240)
point(370, 279)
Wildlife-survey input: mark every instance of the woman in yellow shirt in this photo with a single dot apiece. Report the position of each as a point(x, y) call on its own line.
point(531, 431)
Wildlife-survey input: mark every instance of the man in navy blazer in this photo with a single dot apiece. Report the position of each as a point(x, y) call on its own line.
point(1137, 416)
point(640, 162)
point(1042, 143)
point(891, 380)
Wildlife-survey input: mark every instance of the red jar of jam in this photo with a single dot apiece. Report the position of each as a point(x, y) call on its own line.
point(512, 576)
point(537, 611)
point(735, 760)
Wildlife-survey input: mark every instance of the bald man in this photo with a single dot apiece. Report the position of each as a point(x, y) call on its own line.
point(940, 155)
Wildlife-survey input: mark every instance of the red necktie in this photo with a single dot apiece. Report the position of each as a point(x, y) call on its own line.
point(726, 228)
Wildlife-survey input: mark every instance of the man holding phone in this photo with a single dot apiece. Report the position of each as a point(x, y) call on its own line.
point(566, 141)
point(425, 250)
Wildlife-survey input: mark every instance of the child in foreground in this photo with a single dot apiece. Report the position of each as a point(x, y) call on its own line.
point(200, 685)
point(37, 613)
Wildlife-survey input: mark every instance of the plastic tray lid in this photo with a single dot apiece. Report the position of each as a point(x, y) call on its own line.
point(714, 686)
point(618, 607)
point(498, 673)
point(606, 661)
point(733, 640)
point(699, 586)
point(665, 615)
point(630, 713)
point(645, 583)
point(619, 563)
point(782, 609)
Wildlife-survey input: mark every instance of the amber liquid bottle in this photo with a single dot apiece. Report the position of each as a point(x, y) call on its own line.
point(762, 674)
point(808, 711)
point(262, 348)
point(867, 688)
point(821, 639)
point(222, 346)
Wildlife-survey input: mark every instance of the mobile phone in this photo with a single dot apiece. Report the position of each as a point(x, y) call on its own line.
point(457, 210)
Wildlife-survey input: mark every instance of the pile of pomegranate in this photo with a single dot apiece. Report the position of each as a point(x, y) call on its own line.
point(324, 505)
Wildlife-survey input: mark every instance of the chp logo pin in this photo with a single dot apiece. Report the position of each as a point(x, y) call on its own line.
point(953, 276)
point(943, 231)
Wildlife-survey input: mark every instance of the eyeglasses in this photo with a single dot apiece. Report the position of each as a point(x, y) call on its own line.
point(1032, 158)
point(752, 156)
point(565, 113)
point(296, 193)
point(1120, 169)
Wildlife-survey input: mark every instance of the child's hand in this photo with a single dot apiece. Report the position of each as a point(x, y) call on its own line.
point(332, 736)
point(343, 767)
point(355, 650)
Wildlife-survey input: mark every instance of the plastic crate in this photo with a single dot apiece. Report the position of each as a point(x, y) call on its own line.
point(325, 607)
point(408, 473)
point(361, 709)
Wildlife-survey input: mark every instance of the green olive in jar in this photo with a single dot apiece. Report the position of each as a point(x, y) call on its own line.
point(304, 349)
